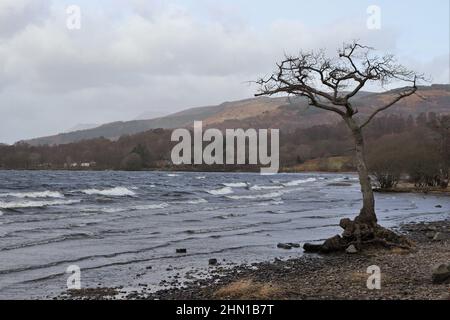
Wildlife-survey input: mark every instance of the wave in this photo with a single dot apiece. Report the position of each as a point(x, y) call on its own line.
point(272, 195)
point(219, 192)
point(124, 209)
point(151, 206)
point(114, 192)
point(113, 210)
point(196, 201)
point(258, 188)
point(298, 182)
point(236, 185)
point(35, 204)
point(74, 236)
point(173, 175)
point(228, 216)
point(37, 194)
point(271, 203)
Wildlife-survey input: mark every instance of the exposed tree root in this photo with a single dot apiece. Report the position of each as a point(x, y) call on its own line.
point(362, 236)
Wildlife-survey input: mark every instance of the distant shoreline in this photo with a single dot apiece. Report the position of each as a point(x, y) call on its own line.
point(200, 170)
point(407, 187)
point(403, 187)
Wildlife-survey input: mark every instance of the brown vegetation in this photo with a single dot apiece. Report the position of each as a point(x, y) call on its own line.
point(247, 289)
point(394, 142)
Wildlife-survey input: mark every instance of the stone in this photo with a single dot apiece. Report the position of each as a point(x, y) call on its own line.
point(439, 206)
point(351, 249)
point(285, 246)
point(439, 236)
point(441, 273)
point(430, 234)
point(181, 250)
point(212, 262)
point(312, 248)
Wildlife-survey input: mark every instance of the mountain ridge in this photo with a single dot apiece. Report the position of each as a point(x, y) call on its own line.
point(262, 112)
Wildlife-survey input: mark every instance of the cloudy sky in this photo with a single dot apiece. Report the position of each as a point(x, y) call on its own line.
point(133, 57)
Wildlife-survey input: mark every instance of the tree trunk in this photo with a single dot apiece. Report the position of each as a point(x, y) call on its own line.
point(367, 214)
point(363, 232)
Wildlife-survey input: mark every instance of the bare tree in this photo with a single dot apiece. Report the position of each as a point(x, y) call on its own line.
point(331, 83)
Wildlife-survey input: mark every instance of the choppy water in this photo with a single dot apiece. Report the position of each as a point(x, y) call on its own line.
point(114, 225)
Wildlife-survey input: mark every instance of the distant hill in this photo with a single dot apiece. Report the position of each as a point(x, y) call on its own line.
point(82, 126)
point(286, 114)
point(152, 115)
point(115, 130)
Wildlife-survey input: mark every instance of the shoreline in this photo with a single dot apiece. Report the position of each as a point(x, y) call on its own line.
point(404, 275)
point(408, 187)
point(284, 170)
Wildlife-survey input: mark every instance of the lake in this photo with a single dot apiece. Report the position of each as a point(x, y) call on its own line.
point(123, 228)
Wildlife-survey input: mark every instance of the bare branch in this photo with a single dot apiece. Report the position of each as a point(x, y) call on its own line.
point(331, 83)
point(401, 96)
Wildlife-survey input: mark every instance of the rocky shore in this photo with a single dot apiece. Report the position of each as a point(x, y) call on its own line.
point(423, 273)
point(408, 187)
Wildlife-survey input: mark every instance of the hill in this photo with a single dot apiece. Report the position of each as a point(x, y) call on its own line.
point(284, 113)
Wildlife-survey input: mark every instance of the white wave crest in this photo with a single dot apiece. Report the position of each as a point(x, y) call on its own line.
point(298, 182)
point(257, 188)
point(236, 185)
point(271, 195)
point(220, 192)
point(113, 210)
point(151, 206)
point(114, 192)
point(37, 194)
point(35, 204)
point(196, 201)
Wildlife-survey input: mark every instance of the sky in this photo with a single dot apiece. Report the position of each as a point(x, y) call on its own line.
point(154, 57)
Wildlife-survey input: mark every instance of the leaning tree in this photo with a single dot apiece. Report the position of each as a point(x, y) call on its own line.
point(330, 84)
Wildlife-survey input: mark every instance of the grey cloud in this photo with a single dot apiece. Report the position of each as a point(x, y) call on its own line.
point(15, 15)
point(161, 59)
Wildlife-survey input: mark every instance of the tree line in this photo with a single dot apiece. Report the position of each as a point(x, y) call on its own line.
point(418, 148)
point(419, 153)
